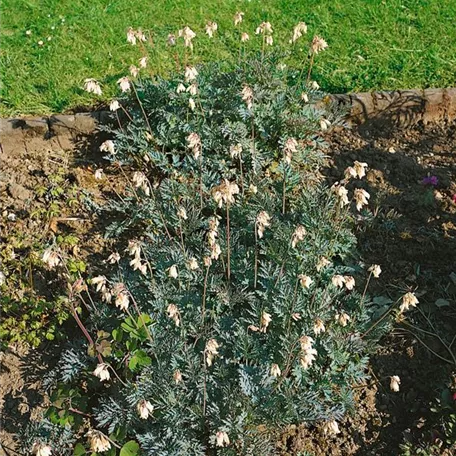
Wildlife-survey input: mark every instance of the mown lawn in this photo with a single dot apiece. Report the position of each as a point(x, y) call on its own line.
point(373, 44)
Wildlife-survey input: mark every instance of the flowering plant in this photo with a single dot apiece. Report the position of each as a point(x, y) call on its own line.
point(233, 310)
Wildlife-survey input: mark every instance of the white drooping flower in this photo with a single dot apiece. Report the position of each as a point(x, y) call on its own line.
point(375, 270)
point(224, 193)
point(134, 70)
point(191, 104)
point(247, 96)
point(140, 181)
point(350, 172)
point(173, 313)
point(99, 282)
point(190, 73)
point(177, 376)
point(331, 427)
point(361, 198)
point(113, 258)
point(245, 37)
point(211, 28)
point(41, 449)
point(338, 281)
point(305, 280)
point(269, 40)
point(182, 213)
point(108, 146)
point(318, 44)
point(235, 150)
point(102, 372)
point(51, 257)
point(323, 262)
point(319, 327)
point(143, 62)
point(314, 85)
point(92, 86)
point(264, 27)
point(98, 441)
point(349, 282)
point(192, 264)
point(144, 408)
point(299, 30)
point(342, 193)
point(114, 105)
point(266, 318)
point(238, 17)
point(305, 97)
point(394, 383)
point(124, 84)
point(324, 124)
point(98, 174)
point(172, 272)
point(180, 88)
point(192, 89)
point(308, 353)
point(171, 41)
point(360, 168)
point(222, 439)
point(290, 148)
point(298, 235)
point(122, 300)
point(408, 300)
point(253, 189)
point(194, 143)
point(134, 247)
point(342, 318)
point(263, 220)
point(138, 264)
point(187, 34)
point(275, 370)
point(131, 36)
point(211, 351)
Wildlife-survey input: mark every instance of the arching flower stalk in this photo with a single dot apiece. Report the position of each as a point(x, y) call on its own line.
point(317, 45)
point(289, 149)
point(224, 193)
point(236, 152)
point(262, 221)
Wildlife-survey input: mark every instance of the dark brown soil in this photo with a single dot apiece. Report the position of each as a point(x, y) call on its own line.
point(412, 235)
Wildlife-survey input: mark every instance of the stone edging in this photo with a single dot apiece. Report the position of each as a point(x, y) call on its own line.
point(398, 109)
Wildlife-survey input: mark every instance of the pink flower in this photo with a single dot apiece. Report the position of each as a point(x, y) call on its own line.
point(431, 180)
point(454, 198)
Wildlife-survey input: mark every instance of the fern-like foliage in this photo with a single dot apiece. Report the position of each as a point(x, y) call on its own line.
point(229, 323)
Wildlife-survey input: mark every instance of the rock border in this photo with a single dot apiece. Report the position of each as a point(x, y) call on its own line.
point(394, 109)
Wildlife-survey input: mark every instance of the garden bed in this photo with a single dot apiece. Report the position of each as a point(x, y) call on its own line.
point(412, 235)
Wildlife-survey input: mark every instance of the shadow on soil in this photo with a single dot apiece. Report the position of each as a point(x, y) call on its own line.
point(412, 235)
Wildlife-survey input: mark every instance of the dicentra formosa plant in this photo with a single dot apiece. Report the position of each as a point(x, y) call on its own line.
point(232, 312)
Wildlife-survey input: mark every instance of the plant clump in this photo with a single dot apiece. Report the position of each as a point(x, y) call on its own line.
point(231, 309)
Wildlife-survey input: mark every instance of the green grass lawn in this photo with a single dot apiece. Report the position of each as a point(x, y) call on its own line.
point(373, 44)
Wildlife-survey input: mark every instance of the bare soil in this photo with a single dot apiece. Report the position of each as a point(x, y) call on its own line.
point(412, 235)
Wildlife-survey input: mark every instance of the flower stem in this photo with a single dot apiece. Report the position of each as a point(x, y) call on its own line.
point(142, 108)
point(228, 260)
point(310, 68)
point(203, 305)
point(256, 257)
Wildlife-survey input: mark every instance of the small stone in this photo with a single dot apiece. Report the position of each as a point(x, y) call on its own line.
point(391, 150)
point(19, 192)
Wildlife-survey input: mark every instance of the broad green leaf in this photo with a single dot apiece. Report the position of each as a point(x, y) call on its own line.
point(131, 448)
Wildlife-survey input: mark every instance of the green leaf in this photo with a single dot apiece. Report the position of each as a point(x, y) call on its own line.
point(131, 448)
point(138, 360)
point(117, 334)
point(79, 450)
